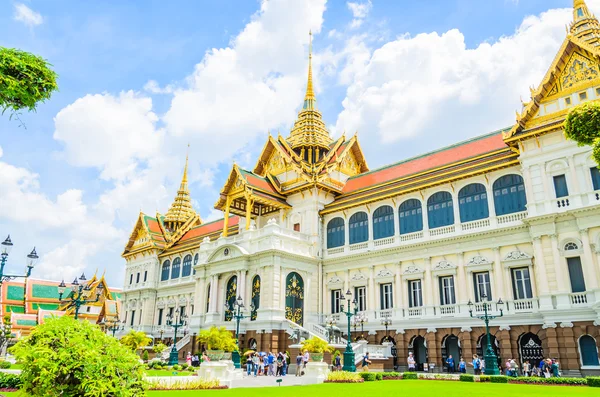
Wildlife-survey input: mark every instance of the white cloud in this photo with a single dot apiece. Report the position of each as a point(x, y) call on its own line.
point(434, 87)
point(154, 88)
point(111, 133)
point(359, 11)
point(27, 16)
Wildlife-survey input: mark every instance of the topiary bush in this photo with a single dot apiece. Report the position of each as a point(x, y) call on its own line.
point(378, 376)
point(593, 381)
point(145, 355)
point(550, 381)
point(368, 376)
point(66, 357)
point(4, 365)
point(467, 378)
point(484, 378)
point(410, 375)
point(498, 379)
point(391, 375)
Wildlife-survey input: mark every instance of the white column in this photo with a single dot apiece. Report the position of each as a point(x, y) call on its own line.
point(529, 191)
point(588, 262)
point(490, 200)
point(574, 178)
point(399, 303)
point(346, 232)
point(346, 282)
point(559, 266)
point(428, 283)
point(461, 282)
point(396, 221)
point(425, 215)
point(540, 275)
point(456, 209)
point(498, 275)
point(371, 300)
point(214, 286)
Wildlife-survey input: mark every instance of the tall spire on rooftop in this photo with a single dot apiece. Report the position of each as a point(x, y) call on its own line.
point(181, 209)
point(309, 134)
point(585, 25)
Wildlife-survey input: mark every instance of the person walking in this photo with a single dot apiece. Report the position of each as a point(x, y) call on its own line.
point(411, 362)
point(299, 361)
point(284, 369)
point(255, 363)
point(338, 362)
point(271, 364)
point(526, 369)
point(305, 358)
point(279, 365)
point(462, 366)
point(476, 364)
point(249, 365)
point(450, 364)
point(547, 368)
point(366, 362)
point(554, 368)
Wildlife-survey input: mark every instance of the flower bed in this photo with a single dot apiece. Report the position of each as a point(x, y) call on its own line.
point(344, 377)
point(550, 381)
point(195, 385)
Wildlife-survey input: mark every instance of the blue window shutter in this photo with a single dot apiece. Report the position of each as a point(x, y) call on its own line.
point(472, 201)
point(381, 296)
point(383, 222)
point(509, 194)
point(439, 210)
point(336, 233)
point(410, 216)
point(441, 286)
point(359, 227)
point(560, 186)
point(410, 294)
point(589, 352)
point(576, 274)
point(595, 178)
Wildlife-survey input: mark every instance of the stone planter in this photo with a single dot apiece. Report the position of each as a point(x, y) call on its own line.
point(316, 357)
point(226, 356)
point(215, 355)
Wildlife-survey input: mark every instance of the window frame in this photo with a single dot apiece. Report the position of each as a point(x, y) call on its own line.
point(558, 189)
point(360, 293)
point(387, 296)
point(447, 290)
point(415, 293)
point(488, 286)
point(336, 301)
point(524, 282)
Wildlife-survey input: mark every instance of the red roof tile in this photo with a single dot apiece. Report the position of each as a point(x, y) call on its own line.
point(153, 225)
point(452, 154)
point(209, 228)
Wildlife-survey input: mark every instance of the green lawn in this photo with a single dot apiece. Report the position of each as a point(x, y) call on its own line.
point(166, 372)
point(412, 388)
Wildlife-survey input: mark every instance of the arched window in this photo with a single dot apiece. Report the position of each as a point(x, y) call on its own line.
point(359, 227)
point(571, 247)
point(166, 269)
point(589, 351)
point(336, 234)
point(176, 268)
point(383, 222)
point(411, 216)
point(187, 266)
point(255, 297)
point(509, 194)
point(472, 202)
point(230, 297)
point(195, 262)
point(439, 210)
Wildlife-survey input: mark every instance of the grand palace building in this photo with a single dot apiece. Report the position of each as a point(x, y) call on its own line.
point(513, 215)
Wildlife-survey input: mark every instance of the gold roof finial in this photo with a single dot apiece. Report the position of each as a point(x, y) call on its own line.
point(309, 98)
point(181, 209)
point(584, 26)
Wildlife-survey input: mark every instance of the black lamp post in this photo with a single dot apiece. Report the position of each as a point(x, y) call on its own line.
point(177, 321)
point(112, 326)
point(490, 358)
point(5, 248)
point(386, 322)
point(79, 293)
point(236, 309)
point(349, 364)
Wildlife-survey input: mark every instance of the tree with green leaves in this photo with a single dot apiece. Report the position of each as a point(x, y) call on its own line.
point(66, 357)
point(582, 125)
point(5, 331)
point(135, 340)
point(159, 348)
point(25, 80)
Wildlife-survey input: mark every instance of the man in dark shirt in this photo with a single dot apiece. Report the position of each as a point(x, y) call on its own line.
point(299, 361)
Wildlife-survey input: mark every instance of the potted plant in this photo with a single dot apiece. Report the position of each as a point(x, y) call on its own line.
point(218, 341)
point(317, 347)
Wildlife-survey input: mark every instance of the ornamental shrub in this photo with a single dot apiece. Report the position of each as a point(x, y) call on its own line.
point(582, 124)
point(217, 339)
point(593, 381)
point(498, 379)
point(467, 378)
point(410, 375)
point(378, 376)
point(66, 357)
point(550, 381)
point(344, 377)
point(9, 381)
point(484, 378)
point(145, 355)
point(391, 375)
point(4, 365)
point(368, 376)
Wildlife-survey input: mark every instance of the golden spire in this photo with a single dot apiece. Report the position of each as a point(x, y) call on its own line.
point(585, 26)
point(181, 210)
point(309, 98)
point(309, 129)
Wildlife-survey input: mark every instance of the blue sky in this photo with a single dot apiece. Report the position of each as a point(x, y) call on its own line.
point(139, 80)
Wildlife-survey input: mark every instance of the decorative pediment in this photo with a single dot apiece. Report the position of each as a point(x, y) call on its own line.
point(182, 300)
point(384, 273)
point(516, 255)
point(444, 265)
point(334, 280)
point(226, 252)
point(579, 69)
point(413, 270)
point(161, 304)
point(478, 260)
point(171, 302)
point(358, 277)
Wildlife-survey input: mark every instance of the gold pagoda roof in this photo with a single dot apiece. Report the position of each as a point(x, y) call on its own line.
point(309, 129)
point(585, 26)
point(181, 210)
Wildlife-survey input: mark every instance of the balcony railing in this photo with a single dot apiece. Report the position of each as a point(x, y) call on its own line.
point(448, 310)
point(478, 224)
point(359, 246)
point(336, 250)
point(579, 299)
point(415, 312)
point(525, 305)
point(442, 230)
point(510, 218)
point(411, 236)
point(383, 241)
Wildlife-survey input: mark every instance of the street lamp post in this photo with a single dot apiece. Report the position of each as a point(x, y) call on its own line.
point(349, 364)
point(490, 358)
point(112, 326)
point(363, 320)
point(5, 248)
point(236, 310)
point(79, 293)
point(177, 321)
point(386, 322)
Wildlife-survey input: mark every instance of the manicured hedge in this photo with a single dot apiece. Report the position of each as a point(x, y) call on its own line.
point(368, 376)
point(9, 381)
point(593, 381)
point(484, 378)
point(378, 376)
point(467, 378)
point(4, 364)
point(550, 381)
point(391, 375)
point(410, 375)
point(498, 379)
